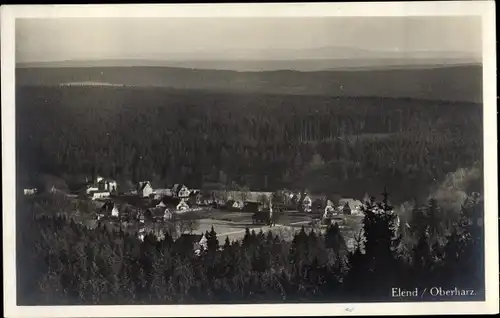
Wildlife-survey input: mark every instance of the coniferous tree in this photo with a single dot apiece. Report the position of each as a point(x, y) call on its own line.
point(434, 220)
point(212, 241)
point(380, 244)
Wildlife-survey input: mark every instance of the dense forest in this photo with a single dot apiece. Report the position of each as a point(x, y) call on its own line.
point(261, 141)
point(61, 262)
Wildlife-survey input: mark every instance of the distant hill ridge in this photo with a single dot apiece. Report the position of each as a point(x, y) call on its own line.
point(452, 83)
point(259, 65)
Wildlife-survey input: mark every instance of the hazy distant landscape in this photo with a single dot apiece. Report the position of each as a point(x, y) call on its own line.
point(454, 83)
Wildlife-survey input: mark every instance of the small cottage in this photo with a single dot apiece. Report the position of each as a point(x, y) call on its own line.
point(307, 204)
point(329, 210)
point(182, 206)
point(235, 205)
point(30, 191)
point(110, 208)
point(107, 185)
point(100, 195)
point(168, 215)
point(145, 189)
point(141, 234)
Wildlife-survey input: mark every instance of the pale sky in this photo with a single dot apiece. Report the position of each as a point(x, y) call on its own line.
point(199, 38)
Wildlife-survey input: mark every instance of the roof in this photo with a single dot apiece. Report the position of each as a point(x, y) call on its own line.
point(351, 202)
point(193, 194)
point(169, 201)
point(157, 212)
point(162, 191)
point(161, 204)
point(177, 188)
point(144, 184)
point(106, 180)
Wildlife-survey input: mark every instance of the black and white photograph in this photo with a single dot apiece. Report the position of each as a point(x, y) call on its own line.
point(277, 158)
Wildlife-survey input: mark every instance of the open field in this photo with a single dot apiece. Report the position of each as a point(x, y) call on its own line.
point(234, 224)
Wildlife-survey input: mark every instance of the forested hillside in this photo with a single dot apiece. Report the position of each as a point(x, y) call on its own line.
point(456, 83)
point(262, 141)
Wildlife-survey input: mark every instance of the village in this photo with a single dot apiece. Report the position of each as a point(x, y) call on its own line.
point(190, 213)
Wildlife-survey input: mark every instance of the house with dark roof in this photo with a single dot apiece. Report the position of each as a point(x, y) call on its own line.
point(145, 189)
point(170, 202)
point(110, 209)
point(176, 204)
point(158, 214)
point(180, 191)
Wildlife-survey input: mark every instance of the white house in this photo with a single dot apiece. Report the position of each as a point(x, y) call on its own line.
point(91, 189)
point(307, 203)
point(110, 208)
point(182, 206)
point(30, 191)
point(100, 195)
point(115, 212)
point(168, 215)
point(108, 185)
point(237, 204)
point(141, 234)
point(201, 245)
point(329, 209)
point(145, 189)
point(180, 191)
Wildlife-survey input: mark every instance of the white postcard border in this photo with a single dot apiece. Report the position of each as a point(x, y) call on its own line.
point(486, 9)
